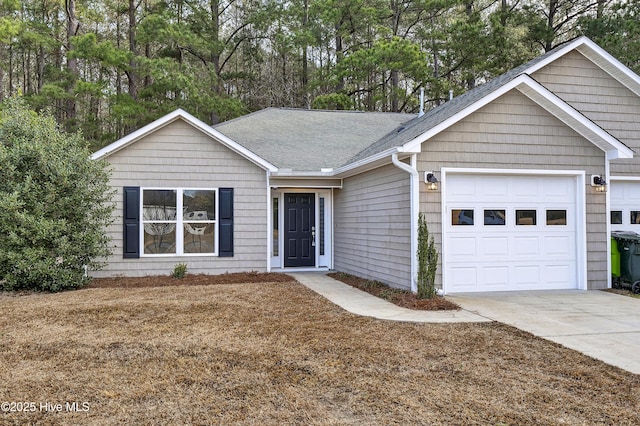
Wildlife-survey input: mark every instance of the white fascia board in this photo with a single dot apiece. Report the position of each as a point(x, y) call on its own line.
point(134, 136)
point(510, 172)
point(344, 170)
point(414, 144)
point(598, 56)
point(572, 45)
point(610, 65)
point(302, 174)
point(198, 124)
point(547, 100)
point(625, 178)
point(573, 118)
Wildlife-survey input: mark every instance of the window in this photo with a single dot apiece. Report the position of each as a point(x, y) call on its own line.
point(616, 217)
point(525, 217)
point(462, 217)
point(179, 221)
point(276, 238)
point(634, 217)
point(321, 224)
point(494, 217)
point(556, 217)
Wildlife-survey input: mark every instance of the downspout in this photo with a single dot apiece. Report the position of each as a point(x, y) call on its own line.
point(414, 197)
point(269, 224)
point(607, 198)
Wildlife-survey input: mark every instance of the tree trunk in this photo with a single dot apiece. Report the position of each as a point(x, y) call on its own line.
point(73, 25)
point(305, 59)
point(132, 73)
point(553, 9)
point(339, 57)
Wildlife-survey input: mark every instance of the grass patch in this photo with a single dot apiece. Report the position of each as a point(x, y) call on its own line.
point(277, 353)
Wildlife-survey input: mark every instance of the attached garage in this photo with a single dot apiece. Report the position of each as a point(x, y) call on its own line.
point(625, 205)
point(512, 230)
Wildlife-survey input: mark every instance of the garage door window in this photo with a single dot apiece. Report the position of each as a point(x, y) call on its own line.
point(494, 217)
point(556, 217)
point(461, 217)
point(616, 217)
point(525, 217)
point(635, 217)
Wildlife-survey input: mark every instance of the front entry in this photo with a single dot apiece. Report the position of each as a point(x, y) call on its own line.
point(299, 226)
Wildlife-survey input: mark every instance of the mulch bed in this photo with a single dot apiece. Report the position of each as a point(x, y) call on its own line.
point(403, 298)
point(189, 280)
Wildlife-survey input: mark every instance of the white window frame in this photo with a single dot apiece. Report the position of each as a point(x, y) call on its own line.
point(179, 222)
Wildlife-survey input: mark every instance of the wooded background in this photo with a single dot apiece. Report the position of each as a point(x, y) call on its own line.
point(107, 67)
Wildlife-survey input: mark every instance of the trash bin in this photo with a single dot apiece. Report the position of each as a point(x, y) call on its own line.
point(615, 261)
point(628, 245)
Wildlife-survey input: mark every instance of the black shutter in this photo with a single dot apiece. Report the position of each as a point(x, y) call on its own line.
point(131, 229)
point(225, 225)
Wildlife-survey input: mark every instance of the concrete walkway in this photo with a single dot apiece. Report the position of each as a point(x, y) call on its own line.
point(362, 303)
point(602, 325)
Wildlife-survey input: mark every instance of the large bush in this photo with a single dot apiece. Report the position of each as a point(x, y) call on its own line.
point(54, 204)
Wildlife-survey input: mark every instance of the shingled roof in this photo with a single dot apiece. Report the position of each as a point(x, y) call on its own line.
point(308, 140)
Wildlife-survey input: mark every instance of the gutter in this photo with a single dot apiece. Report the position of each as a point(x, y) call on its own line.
point(414, 198)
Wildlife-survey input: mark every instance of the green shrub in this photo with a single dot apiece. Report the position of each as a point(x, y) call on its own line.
point(55, 204)
point(179, 271)
point(427, 261)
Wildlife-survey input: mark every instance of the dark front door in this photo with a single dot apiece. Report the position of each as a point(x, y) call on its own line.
point(299, 226)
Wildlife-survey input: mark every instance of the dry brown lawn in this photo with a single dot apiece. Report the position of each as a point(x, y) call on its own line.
point(276, 353)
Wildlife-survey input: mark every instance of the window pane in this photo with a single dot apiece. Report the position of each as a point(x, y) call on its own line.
point(159, 238)
point(556, 217)
point(159, 213)
point(462, 217)
point(199, 205)
point(494, 217)
point(321, 230)
point(199, 237)
point(616, 217)
point(276, 236)
point(159, 204)
point(634, 217)
point(525, 217)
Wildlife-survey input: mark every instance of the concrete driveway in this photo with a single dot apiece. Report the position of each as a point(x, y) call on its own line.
point(602, 325)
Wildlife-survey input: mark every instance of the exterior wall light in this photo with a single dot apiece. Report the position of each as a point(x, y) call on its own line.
point(431, 181)
point(599, 184)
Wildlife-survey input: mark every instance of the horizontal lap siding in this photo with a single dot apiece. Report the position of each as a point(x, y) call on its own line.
point(600, 97)
point(515, 133)
point(372, 226)
point(180, 156)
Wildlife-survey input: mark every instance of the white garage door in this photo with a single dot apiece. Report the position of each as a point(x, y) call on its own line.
point(625, 206)
point(505, 233)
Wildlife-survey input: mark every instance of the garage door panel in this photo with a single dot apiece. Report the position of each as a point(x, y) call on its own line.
point(495, 247)
point(625, 205)
point(461, 247)
point(494, 189)
point(558, 274)
point(526, 246)
point(465, 278)
point(496, 277)
point(559, 190)
point(526, 276)
point(498, 253)
point(559, 246)
point(524, 191)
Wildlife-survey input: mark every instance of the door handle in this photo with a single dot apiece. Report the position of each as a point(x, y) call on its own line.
point(313, 236)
